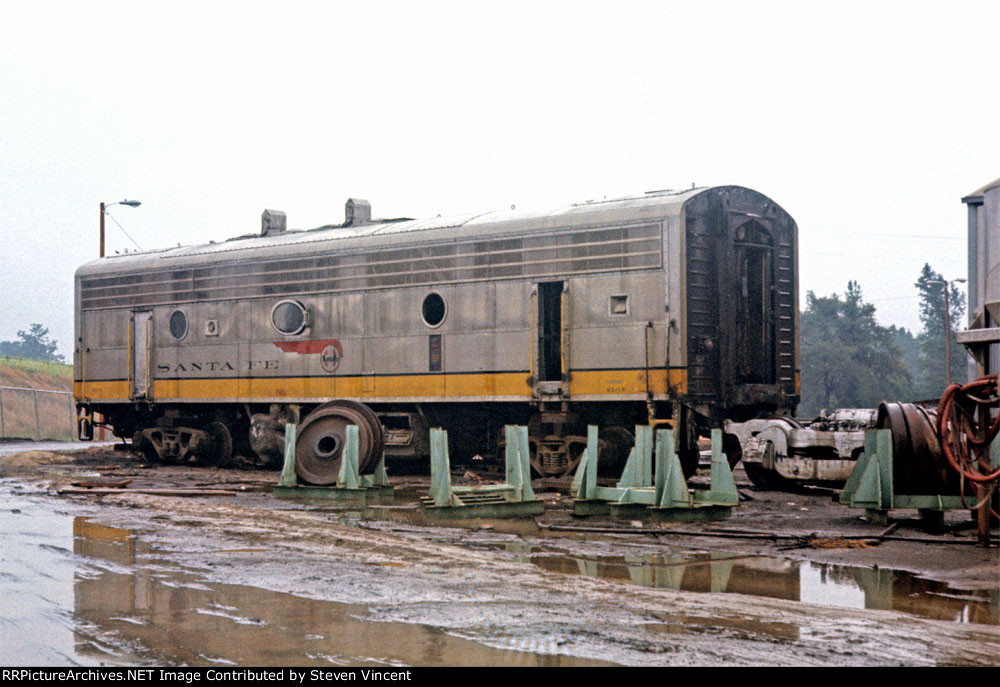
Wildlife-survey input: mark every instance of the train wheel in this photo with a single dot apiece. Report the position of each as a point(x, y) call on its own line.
point(731, 447)
point(689, 457)
point(766, 480)
point(618, 441)
point(322, 436)
point(219, 449)
point(143, 446)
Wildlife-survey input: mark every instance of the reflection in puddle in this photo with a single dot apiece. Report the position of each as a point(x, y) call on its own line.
point(181, 620)
point(806, 581)
point(415, 517)
point(809, 582)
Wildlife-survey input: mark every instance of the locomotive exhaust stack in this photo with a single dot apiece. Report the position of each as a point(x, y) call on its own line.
point(357, 211)
point(273, 222)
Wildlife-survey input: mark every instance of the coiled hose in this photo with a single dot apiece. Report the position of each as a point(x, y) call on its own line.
point(966, 432)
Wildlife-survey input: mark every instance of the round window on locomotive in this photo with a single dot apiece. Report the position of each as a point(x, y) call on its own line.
point(433, 310)
point(289, 317)
point(178, 325)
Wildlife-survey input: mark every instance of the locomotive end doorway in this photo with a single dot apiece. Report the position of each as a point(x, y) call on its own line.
point(753, 353)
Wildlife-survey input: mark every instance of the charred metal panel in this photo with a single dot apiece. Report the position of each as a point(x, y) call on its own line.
point(702, 264)
point(741, 299)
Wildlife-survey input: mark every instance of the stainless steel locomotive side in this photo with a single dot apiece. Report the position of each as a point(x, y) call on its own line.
point(669, 307)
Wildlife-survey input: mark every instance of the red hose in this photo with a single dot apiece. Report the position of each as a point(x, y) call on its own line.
point(966, 429)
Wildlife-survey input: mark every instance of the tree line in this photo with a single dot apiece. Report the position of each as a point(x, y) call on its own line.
point(849, 360)
point(33, 344)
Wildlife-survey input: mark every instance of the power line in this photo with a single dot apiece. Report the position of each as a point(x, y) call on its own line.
point(894, 298)
point(123, 229)
point(883, 257)
point(917, 237)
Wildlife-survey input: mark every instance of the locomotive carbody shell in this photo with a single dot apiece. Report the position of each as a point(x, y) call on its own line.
point(663, 305)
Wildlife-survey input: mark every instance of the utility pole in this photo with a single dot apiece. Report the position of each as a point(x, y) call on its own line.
point(130, 203)
point(947, 324)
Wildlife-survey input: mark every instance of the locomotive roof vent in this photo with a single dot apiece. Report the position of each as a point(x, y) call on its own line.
point(273, 222)
point(357, 211)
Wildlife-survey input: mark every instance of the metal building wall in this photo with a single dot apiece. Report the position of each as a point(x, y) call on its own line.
point(983, 334)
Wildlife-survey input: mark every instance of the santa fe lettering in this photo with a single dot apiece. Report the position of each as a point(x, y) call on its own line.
point(215, 366)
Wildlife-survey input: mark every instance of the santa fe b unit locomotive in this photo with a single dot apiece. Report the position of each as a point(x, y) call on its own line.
point(672, 308)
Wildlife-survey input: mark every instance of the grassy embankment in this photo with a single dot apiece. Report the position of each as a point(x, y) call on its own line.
point(55, 411)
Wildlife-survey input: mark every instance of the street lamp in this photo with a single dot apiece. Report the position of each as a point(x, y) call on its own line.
point(947, 323)
point(130, 203)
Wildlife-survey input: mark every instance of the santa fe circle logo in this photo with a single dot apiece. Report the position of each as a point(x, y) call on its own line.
point(330, 357)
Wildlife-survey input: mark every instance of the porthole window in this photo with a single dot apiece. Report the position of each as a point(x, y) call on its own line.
point(433, 310)
point(178, 325)
point(289, 317)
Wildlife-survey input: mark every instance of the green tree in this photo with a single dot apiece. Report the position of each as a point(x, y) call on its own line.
point(910, 345)
point(931, 370)
point(33, 344)
point(848, 359)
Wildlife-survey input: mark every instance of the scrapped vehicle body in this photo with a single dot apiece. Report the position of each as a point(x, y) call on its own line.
point(670, 308)
point(780, 452)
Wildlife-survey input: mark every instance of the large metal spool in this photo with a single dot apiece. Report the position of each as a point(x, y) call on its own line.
point(321, 439)
point(919, 466)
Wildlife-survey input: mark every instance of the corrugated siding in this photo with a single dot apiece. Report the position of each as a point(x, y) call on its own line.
point(702, 312)
point(785, 312)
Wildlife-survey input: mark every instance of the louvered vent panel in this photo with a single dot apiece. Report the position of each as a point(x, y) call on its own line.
point(611, 249)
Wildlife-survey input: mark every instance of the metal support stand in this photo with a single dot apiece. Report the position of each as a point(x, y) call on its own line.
point(513, 498)
point(870, 485)
point(351, 487)
point(656, 487)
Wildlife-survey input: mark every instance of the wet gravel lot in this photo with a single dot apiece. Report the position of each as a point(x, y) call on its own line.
point(134, 578)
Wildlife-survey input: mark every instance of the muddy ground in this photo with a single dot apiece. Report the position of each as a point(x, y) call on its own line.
point(523, 592)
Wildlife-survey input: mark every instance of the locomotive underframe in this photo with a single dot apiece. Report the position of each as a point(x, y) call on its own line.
point(177, 432)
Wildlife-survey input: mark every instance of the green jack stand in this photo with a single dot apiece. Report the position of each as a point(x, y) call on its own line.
point(351, 488)
point(513, 498)
point(664, 495)
point(870, 485)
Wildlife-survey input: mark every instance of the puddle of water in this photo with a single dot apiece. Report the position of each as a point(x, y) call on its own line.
point(416, 517)
point(75, 592)
point(780, 578)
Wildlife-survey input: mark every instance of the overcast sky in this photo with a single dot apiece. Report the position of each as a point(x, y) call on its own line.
point(866, 121)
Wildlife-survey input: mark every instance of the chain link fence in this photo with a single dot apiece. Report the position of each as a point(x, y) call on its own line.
point(29, 413)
